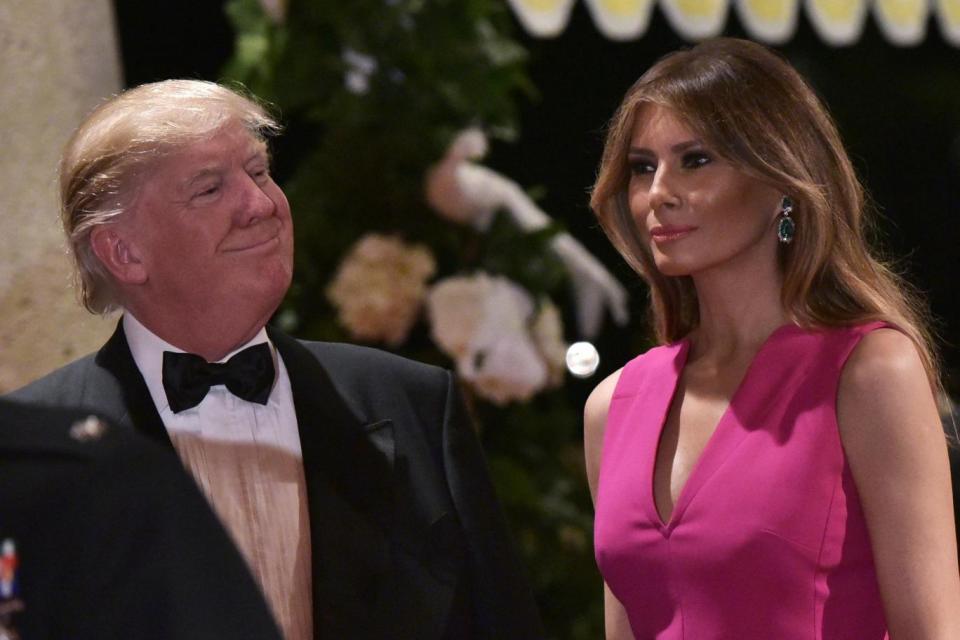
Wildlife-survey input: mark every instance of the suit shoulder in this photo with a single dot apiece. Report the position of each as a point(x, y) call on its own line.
point(361, 364)
point(61, 387)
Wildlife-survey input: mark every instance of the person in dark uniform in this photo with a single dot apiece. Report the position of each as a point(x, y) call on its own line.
point(104, 536)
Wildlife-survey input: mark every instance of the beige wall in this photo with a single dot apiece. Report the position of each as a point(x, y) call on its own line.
point(58, 58)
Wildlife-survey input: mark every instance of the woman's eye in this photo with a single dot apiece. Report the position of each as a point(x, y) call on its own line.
point(641, 167)
point(695, 160)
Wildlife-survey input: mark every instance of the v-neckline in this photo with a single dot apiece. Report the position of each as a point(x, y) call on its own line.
point(719, 445)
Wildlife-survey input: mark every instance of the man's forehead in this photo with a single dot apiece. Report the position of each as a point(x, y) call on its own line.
point(212, 154)
point(228, 144)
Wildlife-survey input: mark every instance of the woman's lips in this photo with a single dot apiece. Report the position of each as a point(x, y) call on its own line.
point(670, 233)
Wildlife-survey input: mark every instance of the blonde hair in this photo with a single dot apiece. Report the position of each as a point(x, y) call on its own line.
point(115, 145)
point(751, 107)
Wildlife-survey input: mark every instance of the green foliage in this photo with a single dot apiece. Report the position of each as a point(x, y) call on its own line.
point(523, 257)
point(371, 93)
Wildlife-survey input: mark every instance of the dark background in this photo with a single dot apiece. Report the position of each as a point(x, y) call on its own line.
point(898, 110)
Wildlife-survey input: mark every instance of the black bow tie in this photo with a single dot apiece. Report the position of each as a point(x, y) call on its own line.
point(187, 378)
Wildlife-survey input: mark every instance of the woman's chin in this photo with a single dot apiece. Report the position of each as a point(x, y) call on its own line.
point(673, 268)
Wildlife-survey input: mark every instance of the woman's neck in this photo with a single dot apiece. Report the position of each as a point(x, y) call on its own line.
point(738, 311)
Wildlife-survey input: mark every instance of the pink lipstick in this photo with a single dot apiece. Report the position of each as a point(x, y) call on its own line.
point(670, 232)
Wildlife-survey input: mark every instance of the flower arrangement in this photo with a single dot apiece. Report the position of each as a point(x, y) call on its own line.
point(407, 242)
point(506, 345)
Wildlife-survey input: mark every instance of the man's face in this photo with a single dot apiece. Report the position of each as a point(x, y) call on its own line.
point(213, 231)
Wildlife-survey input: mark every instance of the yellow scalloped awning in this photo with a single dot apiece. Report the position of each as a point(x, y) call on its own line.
point(838, 22)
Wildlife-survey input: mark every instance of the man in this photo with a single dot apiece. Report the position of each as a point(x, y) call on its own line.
point(348, 477)
point(103, 536)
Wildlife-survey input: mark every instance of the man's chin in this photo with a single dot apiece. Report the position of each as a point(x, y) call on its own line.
point(271, 297)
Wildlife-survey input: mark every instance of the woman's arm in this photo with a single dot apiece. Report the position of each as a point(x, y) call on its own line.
point(893, 440)
point(594, 421)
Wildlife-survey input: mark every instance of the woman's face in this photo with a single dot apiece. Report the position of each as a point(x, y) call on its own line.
point(696, 211)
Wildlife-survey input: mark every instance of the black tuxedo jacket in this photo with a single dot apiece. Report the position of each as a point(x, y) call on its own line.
point(408, 540)
point(113, 540)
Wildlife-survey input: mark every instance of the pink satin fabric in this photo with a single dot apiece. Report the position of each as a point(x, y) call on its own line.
point(767, 539)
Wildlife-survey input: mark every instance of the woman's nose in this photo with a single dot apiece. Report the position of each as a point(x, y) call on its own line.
point(661, 189)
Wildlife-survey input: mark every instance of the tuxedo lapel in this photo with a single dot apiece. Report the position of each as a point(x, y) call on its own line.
point(366, 556)
point(123, 395)
point(348, 465)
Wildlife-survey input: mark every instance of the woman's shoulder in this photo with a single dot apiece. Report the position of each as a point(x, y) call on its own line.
point(594, 424)
point(882, 359)
point(884, 397)
point(598, 402)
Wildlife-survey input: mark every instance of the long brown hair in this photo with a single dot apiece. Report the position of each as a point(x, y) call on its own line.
point(751, 107)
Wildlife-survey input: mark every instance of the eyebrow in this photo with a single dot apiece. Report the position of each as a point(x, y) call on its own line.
point(200, 175)
point(260, 153)
point(184, 188)
point(680, 147)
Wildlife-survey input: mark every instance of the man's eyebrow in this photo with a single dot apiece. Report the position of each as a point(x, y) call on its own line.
point(205, 172)
point(261, 153)
point(259, 150)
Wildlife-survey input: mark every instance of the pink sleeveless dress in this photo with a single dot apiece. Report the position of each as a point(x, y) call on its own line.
point(767, 539)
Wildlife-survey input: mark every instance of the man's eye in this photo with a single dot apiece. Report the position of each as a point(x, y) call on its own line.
point(209, 191)
point(695, 160)
point(260, 174)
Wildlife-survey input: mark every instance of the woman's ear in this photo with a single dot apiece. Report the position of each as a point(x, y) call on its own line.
point(117, 254)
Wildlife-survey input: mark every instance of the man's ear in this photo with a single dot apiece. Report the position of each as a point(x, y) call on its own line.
point(117, 255)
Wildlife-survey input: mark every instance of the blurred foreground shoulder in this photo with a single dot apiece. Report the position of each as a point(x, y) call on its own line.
point(111, 539)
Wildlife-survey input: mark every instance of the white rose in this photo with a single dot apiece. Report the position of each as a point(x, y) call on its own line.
point(483, 323)
point(455, 306)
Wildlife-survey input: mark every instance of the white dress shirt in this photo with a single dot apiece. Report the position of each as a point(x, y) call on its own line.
point(246, 458)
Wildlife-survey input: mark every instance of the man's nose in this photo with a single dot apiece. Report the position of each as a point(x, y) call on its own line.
point(255, 204)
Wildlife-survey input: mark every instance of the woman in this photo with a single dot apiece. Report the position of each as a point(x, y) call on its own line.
point(775, 469)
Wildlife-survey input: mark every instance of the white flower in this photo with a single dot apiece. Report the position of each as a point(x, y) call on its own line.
point(360, 67)
point(482, 322)
point(547, 332)
point(506, 369)
point(379, 288)
point(455, 307)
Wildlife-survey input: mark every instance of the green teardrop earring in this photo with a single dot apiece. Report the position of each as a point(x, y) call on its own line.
point(786, 228)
